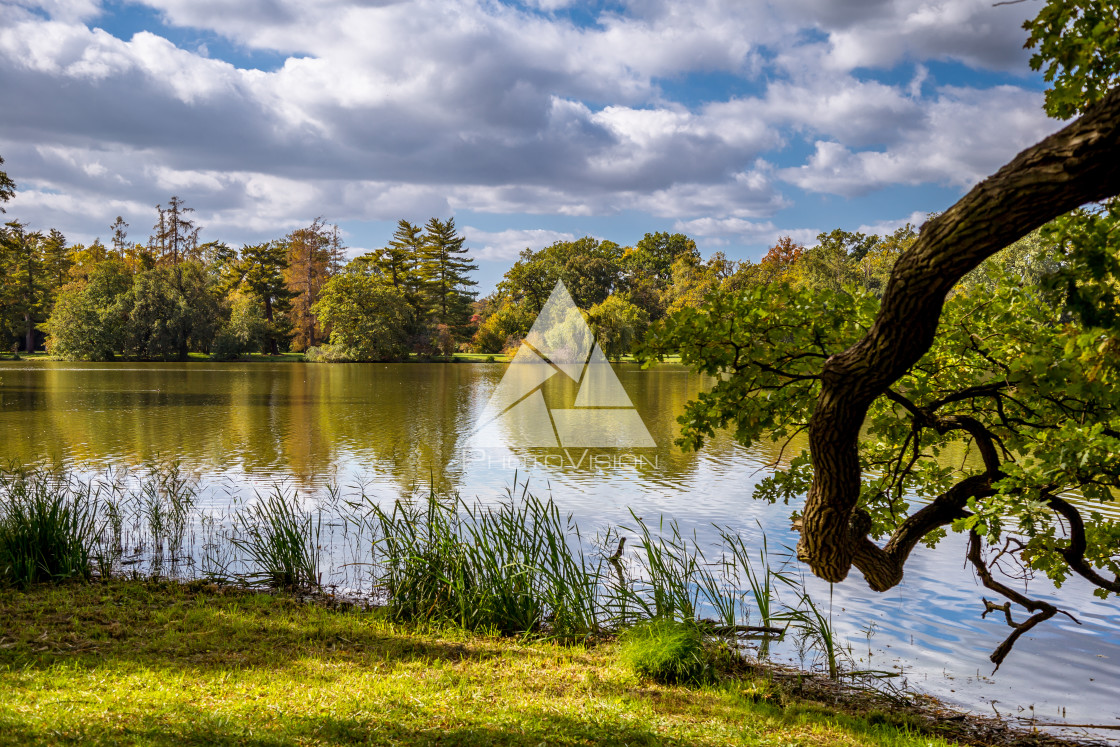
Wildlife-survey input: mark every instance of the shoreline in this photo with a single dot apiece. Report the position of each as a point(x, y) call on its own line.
point(294, 358)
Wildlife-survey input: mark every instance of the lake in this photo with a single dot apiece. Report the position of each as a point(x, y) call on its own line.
point(396, 428)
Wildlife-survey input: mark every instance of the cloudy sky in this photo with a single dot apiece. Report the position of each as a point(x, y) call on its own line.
point(733, 121)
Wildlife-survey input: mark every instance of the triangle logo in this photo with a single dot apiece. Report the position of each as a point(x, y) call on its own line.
point(560, 342)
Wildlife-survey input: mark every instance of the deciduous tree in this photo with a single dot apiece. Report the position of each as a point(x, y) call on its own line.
point(1030, 388)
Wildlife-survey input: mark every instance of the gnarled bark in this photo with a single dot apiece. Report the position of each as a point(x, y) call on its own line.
point(1077, 165)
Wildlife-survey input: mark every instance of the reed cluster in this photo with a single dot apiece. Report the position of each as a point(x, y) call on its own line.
point(48, 527)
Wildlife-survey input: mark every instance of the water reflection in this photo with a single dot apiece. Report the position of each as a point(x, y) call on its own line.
point(395, 428)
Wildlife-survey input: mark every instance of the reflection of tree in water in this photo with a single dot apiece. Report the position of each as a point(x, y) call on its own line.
point(407, 421)
point(402, 419)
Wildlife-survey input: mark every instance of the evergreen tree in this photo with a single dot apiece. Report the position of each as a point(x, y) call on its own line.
point(445, 270)
point(25, 278)
point(176, 236)
point(261, 271)
point(57, 258)
point(120, 235)
point(7, 187)
point(398, 262)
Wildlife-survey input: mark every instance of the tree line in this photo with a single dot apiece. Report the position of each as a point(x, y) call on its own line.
point(172, 295)
point(623, 290)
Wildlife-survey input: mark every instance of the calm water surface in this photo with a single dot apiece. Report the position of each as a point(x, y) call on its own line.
point(394, 428)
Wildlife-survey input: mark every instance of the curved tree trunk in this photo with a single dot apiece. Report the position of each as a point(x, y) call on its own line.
point(1076, 165)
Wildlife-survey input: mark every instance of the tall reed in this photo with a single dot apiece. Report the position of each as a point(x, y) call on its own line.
point(48, 527)
point(817, 633)
point(281, 541)
point(516, 567)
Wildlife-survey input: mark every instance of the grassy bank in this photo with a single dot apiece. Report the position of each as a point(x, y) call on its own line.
point(157, 662)
point(90, 657)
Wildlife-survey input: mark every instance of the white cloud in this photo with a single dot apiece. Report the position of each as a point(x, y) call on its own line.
point(505, 246)
point(385, 108)
point(721, 230)
point(964, 136)
point(880, 33)
point(887, 227)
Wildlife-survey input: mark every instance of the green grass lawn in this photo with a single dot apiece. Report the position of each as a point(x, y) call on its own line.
point(299, 358)
point(159, 663)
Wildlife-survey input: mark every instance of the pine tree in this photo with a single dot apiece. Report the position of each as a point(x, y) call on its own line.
point(7, 187)
point(445, 269)
point(120, 235)
point(26, 284)
point(176, 236)
point(56, 254)
point(262, 269)
point(398, 262)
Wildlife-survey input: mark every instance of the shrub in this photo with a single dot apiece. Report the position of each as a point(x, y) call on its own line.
point(668, 651)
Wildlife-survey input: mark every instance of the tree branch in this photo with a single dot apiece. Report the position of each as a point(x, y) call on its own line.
point(1074, 166)
point(1074, 555)
point(1043, 610)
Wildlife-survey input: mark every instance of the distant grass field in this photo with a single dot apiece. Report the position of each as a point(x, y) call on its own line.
point(131, 662)
point(299, 358)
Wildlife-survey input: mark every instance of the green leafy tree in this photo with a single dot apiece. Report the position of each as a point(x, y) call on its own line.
point(503, 328)
point(874, 268)
point(85, 259)
point(880, 387)
point(87, 321)
point(529, 281)
point(367, 316)
point(169, 311)
point(246, 331)
point(591, 270)
point(692, 279)
point(834, 262)
point(618, 325)
point(655, 254)
point(1078, 45)
point(1031, 261)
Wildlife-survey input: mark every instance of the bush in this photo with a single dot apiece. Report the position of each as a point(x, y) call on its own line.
point(226, 346)
point(668, 651)
point(330, 354)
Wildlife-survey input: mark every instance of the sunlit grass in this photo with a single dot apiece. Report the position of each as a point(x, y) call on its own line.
point(158, 663)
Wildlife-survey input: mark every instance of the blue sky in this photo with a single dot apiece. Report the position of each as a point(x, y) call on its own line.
point(730, 120)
